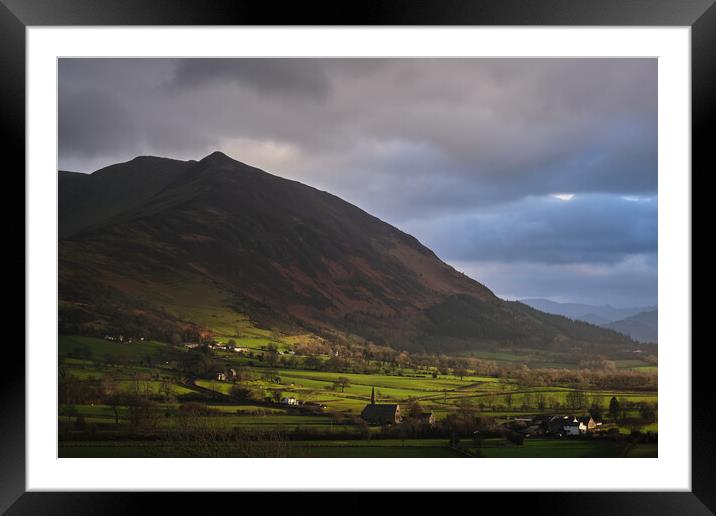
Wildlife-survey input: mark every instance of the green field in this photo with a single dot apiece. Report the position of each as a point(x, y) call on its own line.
point(552, 448)
point(434, 393)
point(150, 369)
point(99, 348)
point(384, 448)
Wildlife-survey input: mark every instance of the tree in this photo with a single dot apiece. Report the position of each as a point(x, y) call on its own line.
point(460, 372)
point(527, 400)
point(166, 389)
point(276, 395)
point(271, 355)
point(243, 393)
point(341, 383)
point(614, 408)
point(80, 423)
point(69, 411)
point(270, 375)
point(576, 399)
point(109, 359)
point(465, 407)
point(142, 413)
point(111, 394)
point(647, 412)
point(334, 364)
point(508, 399)
point(312, 362)
point(541, 401)
point(515, 438)
point(596, 411)
point(414, 408)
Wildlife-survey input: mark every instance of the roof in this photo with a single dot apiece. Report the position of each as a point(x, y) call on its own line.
point(376, 411)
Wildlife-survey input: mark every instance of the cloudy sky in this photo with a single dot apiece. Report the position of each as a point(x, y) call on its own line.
point(537, 177)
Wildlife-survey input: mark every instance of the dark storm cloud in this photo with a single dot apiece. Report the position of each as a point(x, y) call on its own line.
point(629, 283)
point(94, 121)
point(591, 229)
point(271, 77)
point(463, 147)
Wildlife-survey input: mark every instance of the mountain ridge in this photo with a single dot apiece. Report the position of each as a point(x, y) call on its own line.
point(594, 314)
point(643, 326)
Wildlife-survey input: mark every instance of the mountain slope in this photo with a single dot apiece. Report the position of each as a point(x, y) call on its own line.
point(284, 254)
point(643, 326)
point(85, 200)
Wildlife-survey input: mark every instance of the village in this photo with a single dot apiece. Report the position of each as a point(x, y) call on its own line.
point(125, 387)
point(388, 414)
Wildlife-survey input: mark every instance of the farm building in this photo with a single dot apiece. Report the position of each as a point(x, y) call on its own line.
point(590, 423)
point(380, 414)
point(426, 418)
point(555, 424)
point(534, 429)
point(574, 428)
point(561, 425)
point(565, 425)
point(289, 401)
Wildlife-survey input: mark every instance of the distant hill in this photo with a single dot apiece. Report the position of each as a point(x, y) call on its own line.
point(594, 314)
point(158, 246)
point(643, 326)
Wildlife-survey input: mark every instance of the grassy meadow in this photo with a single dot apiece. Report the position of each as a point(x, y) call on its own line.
point(141, 398)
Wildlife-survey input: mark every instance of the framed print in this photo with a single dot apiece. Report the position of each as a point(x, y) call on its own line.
point(393, 248)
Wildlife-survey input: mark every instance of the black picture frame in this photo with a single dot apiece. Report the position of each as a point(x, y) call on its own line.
point(16, 15)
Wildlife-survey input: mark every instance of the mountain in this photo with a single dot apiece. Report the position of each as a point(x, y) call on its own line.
point(594, 314)
point(643, 326)
point(158, 246)
point(92, 199)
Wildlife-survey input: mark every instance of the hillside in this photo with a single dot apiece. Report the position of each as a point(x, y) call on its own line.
point(643, 326)
point(595, 314)
point(158, 246)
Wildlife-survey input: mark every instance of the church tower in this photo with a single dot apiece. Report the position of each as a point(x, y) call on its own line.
point(372, 396)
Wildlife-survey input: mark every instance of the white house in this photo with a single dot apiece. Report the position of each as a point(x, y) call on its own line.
point(289, 401)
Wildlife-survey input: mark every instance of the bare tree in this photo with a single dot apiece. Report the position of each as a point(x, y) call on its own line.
point(341, 383)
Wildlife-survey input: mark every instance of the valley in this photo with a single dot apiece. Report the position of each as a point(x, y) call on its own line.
point(209, 308)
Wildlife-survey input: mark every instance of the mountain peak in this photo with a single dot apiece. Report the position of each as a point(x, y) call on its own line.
point(217, 156)
point(280, 253)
